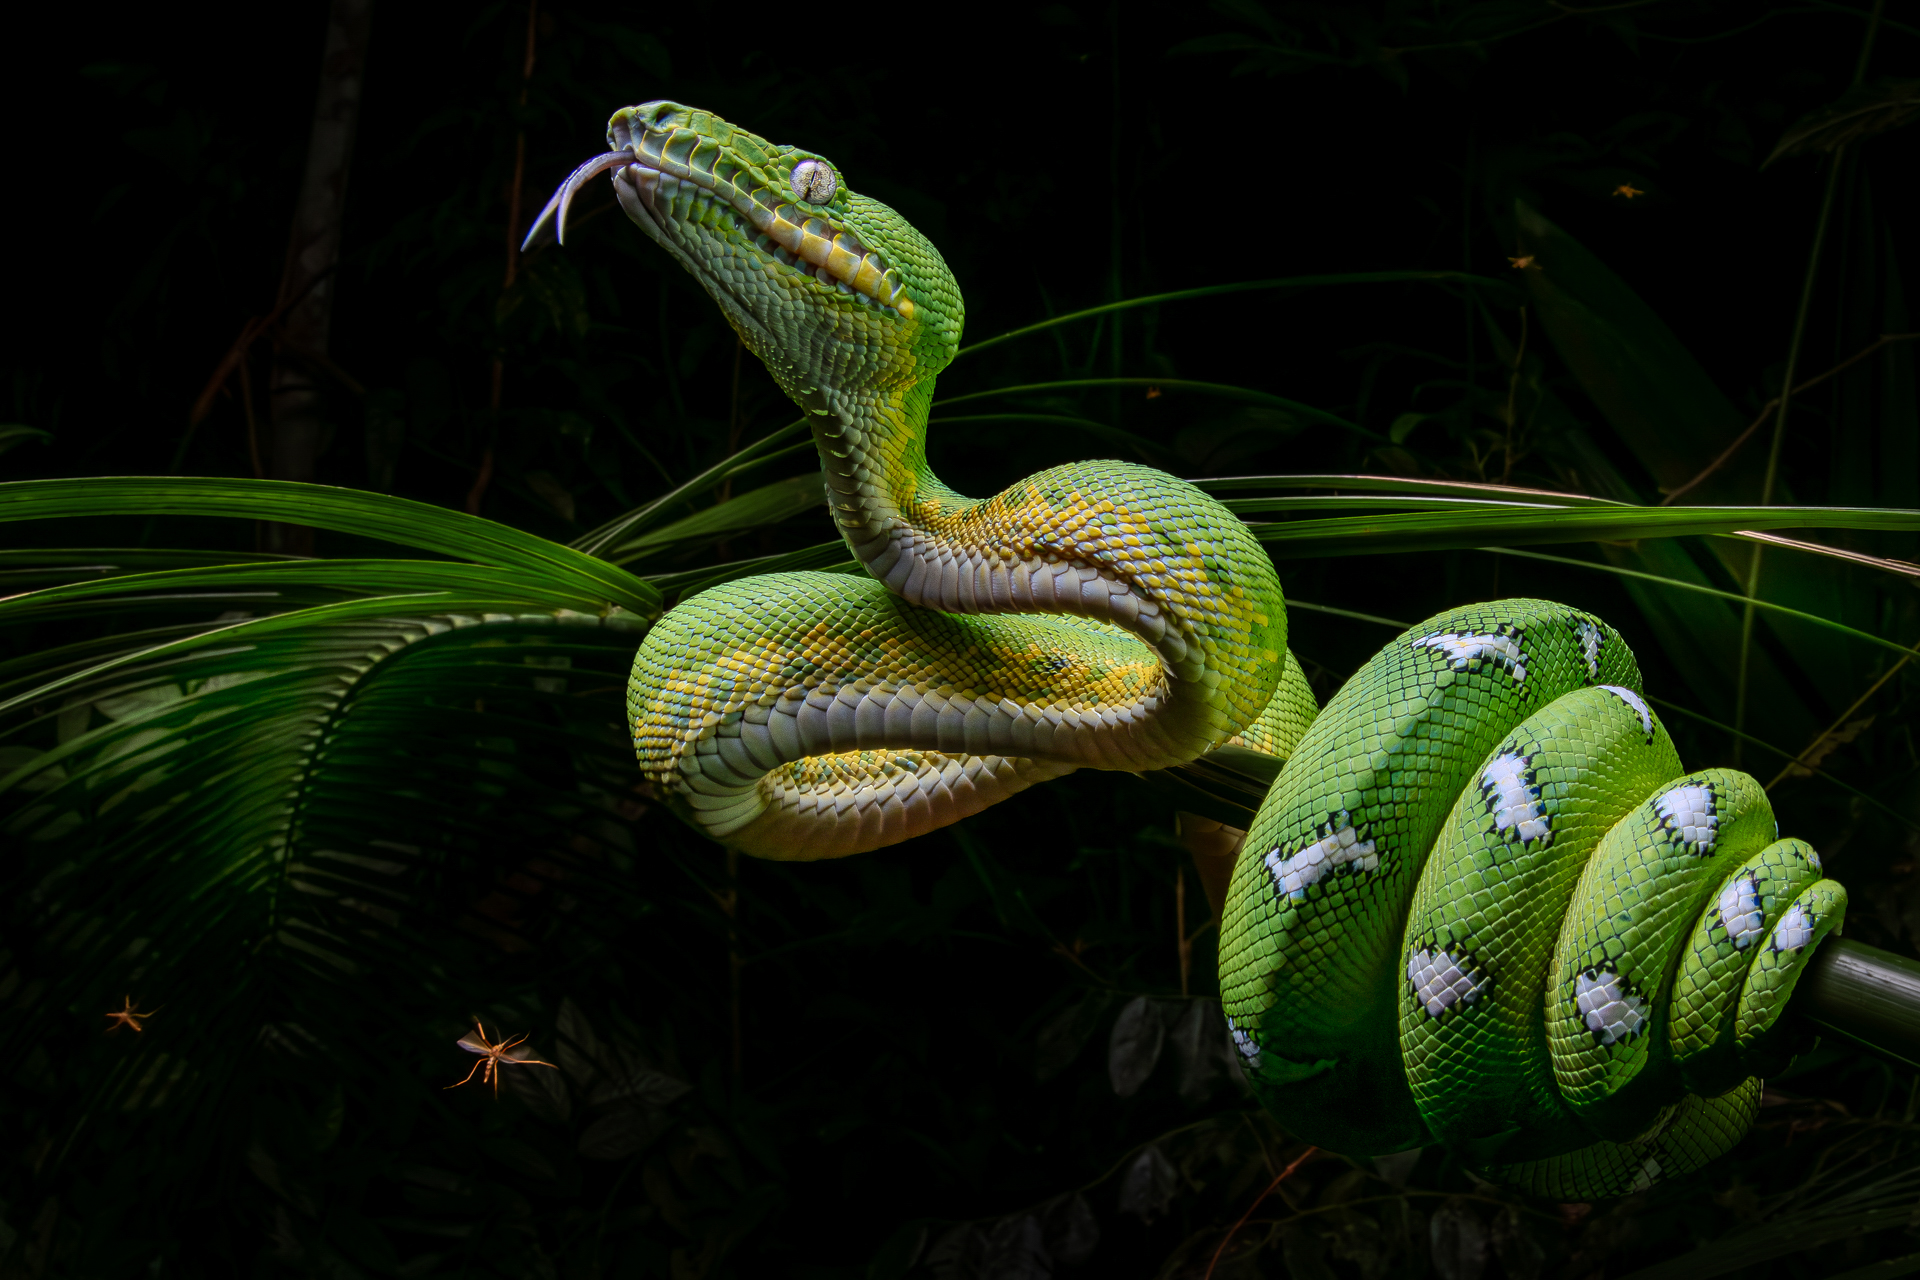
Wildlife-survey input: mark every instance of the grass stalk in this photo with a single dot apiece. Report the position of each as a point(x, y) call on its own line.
point(1754, 566)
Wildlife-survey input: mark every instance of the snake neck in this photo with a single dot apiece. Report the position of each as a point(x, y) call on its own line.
point(1109, 541)
point(854, 312)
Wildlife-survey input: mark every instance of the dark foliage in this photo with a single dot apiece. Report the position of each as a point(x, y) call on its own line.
point(991, 1052)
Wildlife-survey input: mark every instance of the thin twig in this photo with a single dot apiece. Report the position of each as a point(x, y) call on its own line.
point(1835, 727)
point(1884, 340)
point(253, 426)
point(1784, 754)
point(1185, 944)
point(250, 332)
point(1271, 1188)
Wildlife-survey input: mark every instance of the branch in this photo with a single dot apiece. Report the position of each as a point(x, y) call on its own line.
point(1884, 340)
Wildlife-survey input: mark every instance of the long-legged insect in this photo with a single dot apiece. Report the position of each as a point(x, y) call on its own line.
point(126, 1017)
point(492, 1057)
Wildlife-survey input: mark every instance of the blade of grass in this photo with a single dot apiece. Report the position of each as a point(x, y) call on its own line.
point(1403, 484)
point(1384, 502)
point(368, 577)
point(1346, 613)
point(766, 505)
point(1100, 430)
point(1452, 530)
point(1784, 754)
point(1222, 389)
point(823, 557)
point(1730, 596)
point(415, 605)
point(733, 464)
point(372, 515)
point(1904, 568)
point(1246, 286)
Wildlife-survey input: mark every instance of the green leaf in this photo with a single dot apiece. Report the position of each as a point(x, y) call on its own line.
point(766, 505)
point(372, 515)
point(1498, 287)
point(1653, 392)
point(302, 810)
point(1405, 484)
point(489, 604)
point(1384, 502)
point(1151, 450)
point(829, 557)
point(1864, 111)
point(1224, 390)
point(16, 433)
point(368, 577)
point(756, 454)
point(1480, 526)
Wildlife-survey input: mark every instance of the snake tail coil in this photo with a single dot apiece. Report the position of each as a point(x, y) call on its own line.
point(1484, 905)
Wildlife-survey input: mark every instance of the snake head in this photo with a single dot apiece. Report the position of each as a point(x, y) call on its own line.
point(827, 286)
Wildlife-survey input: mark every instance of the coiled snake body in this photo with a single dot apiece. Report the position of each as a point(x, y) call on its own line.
point(1481, 905)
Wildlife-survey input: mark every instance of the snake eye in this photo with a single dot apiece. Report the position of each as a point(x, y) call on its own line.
point(813, 182)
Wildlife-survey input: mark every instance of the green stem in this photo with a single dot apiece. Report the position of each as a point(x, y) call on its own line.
point(1773, 451)
point(1462, 278)
point(1786, 391)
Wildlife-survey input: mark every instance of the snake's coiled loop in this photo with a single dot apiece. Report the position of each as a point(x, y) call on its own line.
point(1485, 905)
point(1096, 614)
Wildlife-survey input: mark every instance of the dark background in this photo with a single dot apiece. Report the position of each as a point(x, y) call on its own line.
point(1060, 156)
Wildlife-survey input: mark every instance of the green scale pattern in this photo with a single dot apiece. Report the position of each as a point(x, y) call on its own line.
point(1277, 730)
point(1682, 1138)
point(1721, 949)
point(1639, 896)
point(1577, 988)
point(1490, 905)
point(1817, 911)
point(1310, 952)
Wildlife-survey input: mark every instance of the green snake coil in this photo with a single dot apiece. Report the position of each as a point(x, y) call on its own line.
point(1482, 904)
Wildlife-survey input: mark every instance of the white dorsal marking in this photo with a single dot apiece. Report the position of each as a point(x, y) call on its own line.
point(1512, 798)
point(1690, 816)
point(1461, 648)
point(1339, 846)
point(1633, 700)
point(1610, 1013)
point(1244, 1042)
point(1794, 931)
point(1440, 981)
point(1740, 913)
